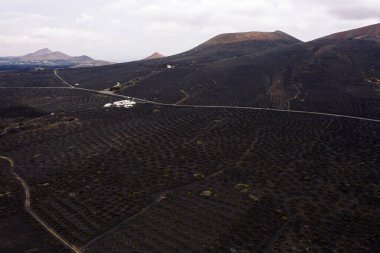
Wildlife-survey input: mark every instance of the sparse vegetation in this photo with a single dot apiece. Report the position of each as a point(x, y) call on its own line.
point(243, 188)
point(206, 193)
point(199, 176)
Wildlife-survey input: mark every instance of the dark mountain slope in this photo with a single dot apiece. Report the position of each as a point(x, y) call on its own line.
point(315, 76)
point(371, 32)
point(220, 47)
point(327, 75)
point(237, 44)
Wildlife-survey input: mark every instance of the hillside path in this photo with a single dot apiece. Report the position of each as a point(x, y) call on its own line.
point(29, 210)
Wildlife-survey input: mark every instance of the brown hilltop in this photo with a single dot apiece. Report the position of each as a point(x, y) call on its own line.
point(156, 55)
point(230, 38)
point(371, 32)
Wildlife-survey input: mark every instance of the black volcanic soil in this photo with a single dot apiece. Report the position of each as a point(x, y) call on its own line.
point(17, 236)
point(18, 232)
point(174, 179)
point(30, 103)
point(212, 180)
point(30, 78)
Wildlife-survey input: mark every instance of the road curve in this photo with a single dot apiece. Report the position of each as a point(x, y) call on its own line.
point(29, 210)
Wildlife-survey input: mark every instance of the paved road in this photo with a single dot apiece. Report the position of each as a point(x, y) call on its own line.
point(29, 210)
point(280, 110)
point(60, 78)
point(199, 106)
point(105, 93)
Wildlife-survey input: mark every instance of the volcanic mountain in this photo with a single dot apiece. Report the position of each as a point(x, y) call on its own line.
point(260, 69)
point(46, 57)
point(156, 55)
point(231, 38)
point(238, 44)
point(371, 32)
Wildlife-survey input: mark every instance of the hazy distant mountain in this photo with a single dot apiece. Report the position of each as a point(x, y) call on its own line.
point(46, 57)
point(371, 32)
point(156, 55)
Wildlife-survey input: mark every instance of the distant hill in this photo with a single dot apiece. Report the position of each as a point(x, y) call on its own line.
point(46, 57)
point(371, 32)
point(156, 55)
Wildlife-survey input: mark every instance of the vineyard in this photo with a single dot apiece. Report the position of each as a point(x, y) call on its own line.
point(165, 179)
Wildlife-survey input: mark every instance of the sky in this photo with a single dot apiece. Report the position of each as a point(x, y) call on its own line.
point(126, 30)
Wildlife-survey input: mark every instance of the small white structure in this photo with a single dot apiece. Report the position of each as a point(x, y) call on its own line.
point(121, 104)
point(77, 84)
point(169, 67)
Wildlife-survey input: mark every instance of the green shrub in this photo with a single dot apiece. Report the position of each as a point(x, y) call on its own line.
point(199, 176)
point(244, 188)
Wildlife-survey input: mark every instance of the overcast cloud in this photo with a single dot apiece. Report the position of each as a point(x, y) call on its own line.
point(124, 30)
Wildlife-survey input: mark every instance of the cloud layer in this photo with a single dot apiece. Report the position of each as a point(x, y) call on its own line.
point(123, 30)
